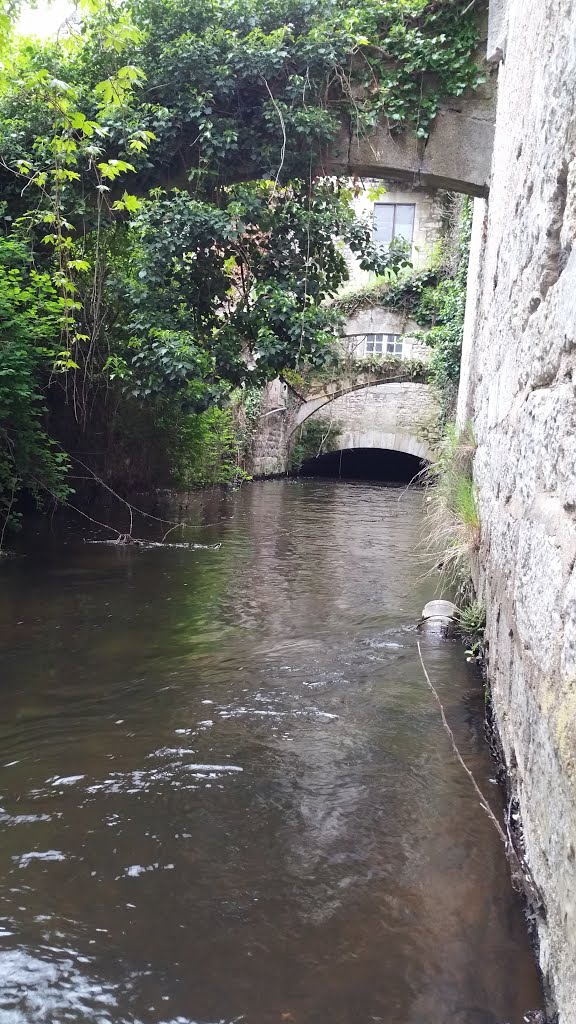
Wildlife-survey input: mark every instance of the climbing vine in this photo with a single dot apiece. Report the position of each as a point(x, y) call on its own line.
point(442, 310)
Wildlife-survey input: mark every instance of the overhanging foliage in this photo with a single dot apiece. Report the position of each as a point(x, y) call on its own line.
point(161, 166)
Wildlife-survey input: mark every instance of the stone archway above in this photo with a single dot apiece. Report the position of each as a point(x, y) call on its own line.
point(393, 442)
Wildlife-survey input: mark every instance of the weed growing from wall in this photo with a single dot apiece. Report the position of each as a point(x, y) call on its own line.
point(453, 519)
point(472, 624)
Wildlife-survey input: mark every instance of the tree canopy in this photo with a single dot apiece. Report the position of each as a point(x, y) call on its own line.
point(168, 233)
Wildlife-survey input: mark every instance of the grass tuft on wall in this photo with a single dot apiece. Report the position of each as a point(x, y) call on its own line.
point(453, 519)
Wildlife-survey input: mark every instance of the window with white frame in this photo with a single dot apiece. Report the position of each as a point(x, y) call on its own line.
point(394, 220)
point(375, 344)
point(383, 345)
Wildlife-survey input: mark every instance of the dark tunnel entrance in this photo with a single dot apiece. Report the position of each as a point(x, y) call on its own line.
point(365, 464)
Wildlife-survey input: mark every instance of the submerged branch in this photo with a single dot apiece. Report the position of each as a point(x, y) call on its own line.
point(522, 878)
point(483, 801)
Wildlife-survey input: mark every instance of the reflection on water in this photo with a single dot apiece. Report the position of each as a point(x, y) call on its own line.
point(225, 792)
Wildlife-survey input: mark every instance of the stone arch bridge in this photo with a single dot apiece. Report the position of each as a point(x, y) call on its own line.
point(458, 152)
point(393, 416)
point(362, 414)
point(457, 155)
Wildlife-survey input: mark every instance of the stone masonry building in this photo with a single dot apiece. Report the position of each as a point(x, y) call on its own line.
point(395, 211)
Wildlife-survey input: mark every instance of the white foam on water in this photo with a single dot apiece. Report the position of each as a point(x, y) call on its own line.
point(66, 780)
point(42, 855)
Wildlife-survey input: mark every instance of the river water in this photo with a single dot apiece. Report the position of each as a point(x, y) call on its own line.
point(225, 791)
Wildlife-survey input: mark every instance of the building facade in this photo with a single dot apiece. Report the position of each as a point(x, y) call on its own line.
point(414, 216)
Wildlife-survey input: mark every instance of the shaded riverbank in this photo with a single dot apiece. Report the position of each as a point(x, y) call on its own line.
point(225, 788)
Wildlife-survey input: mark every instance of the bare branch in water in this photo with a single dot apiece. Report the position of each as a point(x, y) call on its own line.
point(483, 801)
point(522, 877)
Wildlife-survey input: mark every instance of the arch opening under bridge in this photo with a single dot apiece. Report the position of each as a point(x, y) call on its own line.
point(381, 431)
point(371, 455)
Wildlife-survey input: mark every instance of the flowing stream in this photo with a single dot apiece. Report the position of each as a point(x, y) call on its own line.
point(225, 790)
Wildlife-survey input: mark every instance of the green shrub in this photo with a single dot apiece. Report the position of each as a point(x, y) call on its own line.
point(315, 437)
point(30, 319)
point(209, 450)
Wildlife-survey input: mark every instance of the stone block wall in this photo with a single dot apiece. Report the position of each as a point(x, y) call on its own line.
point(269, 454)
point(519, 391)
point(427, 223)
point(381, 320)
point(387, 411)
